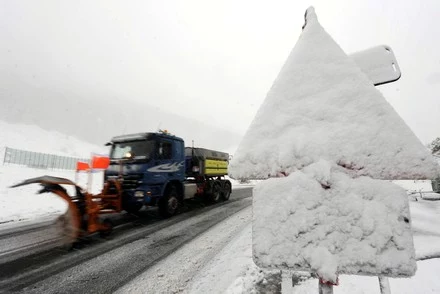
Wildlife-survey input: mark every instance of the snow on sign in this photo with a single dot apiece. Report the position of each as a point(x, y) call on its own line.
point(321, 220)
point(325, 127)
point(379, 64)
point(322, 106)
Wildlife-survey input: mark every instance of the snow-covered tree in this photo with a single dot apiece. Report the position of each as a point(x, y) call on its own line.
point(434, 146)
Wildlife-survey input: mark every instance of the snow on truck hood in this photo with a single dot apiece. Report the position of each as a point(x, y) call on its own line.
point(322, 106)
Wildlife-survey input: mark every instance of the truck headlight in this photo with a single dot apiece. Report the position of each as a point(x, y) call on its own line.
point(139, 194)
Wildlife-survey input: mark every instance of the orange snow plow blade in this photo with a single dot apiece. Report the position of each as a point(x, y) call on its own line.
point(82, 216)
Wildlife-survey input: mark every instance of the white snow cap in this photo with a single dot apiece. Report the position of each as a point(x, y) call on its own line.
point(310, 15)
point(322, 106)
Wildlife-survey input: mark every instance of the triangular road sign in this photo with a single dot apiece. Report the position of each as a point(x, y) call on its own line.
point(322, 106)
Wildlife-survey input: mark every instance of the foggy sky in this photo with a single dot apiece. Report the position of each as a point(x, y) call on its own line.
point(213, 61)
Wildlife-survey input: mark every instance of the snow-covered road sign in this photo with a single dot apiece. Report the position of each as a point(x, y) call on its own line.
point(323, 106)
point(379, 64)
point(325, 126)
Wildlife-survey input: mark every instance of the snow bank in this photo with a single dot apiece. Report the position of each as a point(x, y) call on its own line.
point(356, 226)
point(236, 184)
point(233, 279)
point(322, 106)
point(431, 196)
point(415, 186)
point(426, 227)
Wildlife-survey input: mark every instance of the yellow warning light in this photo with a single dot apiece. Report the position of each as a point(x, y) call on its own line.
point(165, 132)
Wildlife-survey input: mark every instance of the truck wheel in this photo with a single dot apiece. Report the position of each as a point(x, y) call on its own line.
point(169, 203)
point(226, 193)
point(216, 192)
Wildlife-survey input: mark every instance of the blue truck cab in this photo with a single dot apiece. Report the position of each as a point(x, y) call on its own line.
point(157, 169)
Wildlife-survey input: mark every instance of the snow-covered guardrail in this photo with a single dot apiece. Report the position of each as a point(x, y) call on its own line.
point(39, 160)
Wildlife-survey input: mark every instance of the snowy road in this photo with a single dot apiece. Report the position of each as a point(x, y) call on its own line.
point(104, 266)
point(19, 241)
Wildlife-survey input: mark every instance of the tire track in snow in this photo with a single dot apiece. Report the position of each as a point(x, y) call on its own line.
point(173, 274)
point(21, 241)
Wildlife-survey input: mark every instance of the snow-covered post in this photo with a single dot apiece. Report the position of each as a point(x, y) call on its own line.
point(325, 288)
point(99, 163)
point(81, 167)
point(90, 181)
point(5, 150)
point(384, 285)
point(325, 139)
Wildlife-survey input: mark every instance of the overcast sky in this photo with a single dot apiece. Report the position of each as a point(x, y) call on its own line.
point(213, 60)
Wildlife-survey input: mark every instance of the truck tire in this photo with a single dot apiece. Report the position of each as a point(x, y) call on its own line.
point(226, 192)
point(216, 192)
point(169, 203)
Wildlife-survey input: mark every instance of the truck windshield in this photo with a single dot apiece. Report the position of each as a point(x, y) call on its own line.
point(134, 150)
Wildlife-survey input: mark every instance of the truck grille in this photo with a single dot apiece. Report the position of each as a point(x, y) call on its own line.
point(128, 181)
point(131, 181)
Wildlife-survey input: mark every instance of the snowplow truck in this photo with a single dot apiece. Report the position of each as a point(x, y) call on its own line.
point(155, 169)
point(145, 169)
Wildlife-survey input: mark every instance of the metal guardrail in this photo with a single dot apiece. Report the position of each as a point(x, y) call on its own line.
point(39, 160)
